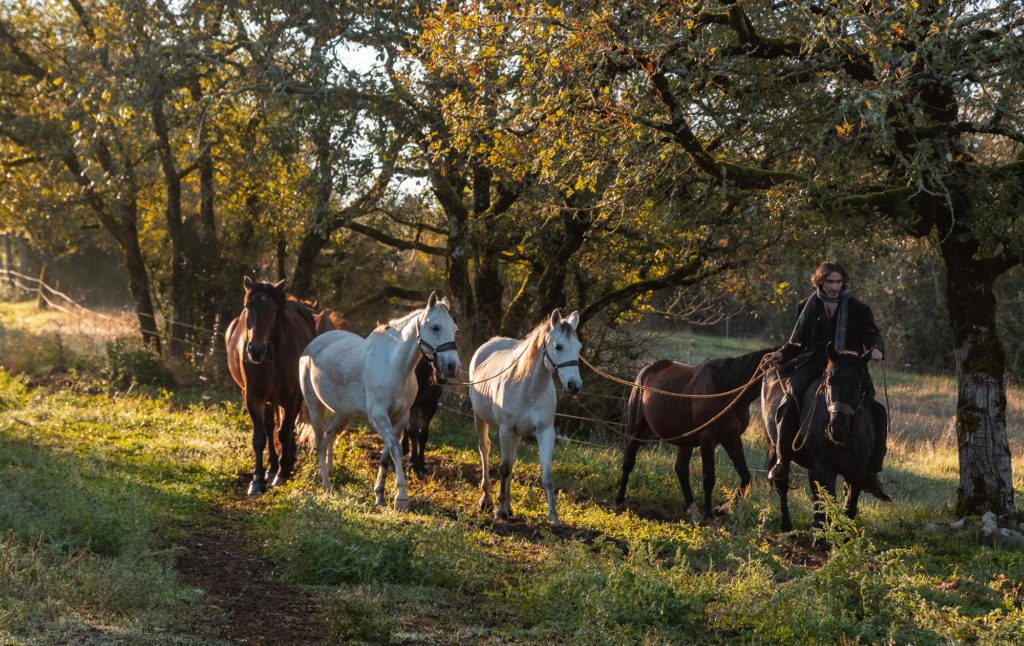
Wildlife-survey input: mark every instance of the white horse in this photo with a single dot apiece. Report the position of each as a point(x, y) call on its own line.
point(373, 379)
point(513, 389)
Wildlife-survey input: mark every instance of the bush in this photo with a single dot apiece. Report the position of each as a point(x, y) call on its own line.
point(12, 391)
point(129, 363)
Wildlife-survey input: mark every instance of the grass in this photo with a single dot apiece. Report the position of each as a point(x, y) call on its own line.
point(99, 486)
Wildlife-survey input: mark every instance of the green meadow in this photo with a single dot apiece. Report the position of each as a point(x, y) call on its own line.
point(101, 485)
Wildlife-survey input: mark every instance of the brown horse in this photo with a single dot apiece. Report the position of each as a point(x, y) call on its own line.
point(686, 421)
point(264, 343)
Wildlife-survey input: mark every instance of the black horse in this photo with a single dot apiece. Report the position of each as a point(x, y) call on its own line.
point(423, 408)
point(838, 430)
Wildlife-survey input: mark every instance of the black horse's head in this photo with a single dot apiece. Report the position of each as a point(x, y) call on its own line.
point(263, 302)
point(847, 384)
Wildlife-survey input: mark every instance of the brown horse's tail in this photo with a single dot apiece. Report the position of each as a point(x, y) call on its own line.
point(636, 423)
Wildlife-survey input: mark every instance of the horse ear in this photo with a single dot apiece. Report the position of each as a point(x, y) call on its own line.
point(573, 319)
point(247, 283)
point(447, 305)
point(279, 285)
point(556, 318)
point(432, 301)
point(831, 352)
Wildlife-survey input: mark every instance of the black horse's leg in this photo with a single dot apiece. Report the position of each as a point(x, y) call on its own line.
point(416, 445)
point(259, 441)
point(421, 448)
point(628, 461)
point(682, 469)
point(819, 482)
point(270, 425)
point(734, 449)
point(852, 496)
point(782, 486)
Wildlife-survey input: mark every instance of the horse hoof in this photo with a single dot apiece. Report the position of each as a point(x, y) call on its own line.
point(694, 513)
point(278, 481)
point(556, 523)
point(503, 514)
point(486, 504)
point(401, 504)
point(257, 488)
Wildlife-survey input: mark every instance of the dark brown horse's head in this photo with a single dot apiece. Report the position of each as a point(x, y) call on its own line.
point(263, 303)
point(846, 387)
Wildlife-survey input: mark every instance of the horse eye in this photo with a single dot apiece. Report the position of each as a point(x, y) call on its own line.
point(558, 347)
point(436, 328)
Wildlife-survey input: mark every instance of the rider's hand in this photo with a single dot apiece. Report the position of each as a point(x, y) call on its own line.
point(773, 359)
point(876, 354)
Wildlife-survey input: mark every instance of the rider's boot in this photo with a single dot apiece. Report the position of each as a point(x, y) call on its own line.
point(787, 422)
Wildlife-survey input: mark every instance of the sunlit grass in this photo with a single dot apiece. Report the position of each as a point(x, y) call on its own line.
point(109, 482)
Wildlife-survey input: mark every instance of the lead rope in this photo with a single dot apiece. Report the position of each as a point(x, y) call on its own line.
point(760, 372)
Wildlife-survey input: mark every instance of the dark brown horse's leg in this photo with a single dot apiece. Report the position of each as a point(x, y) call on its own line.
point(286, 436)
point(683, 474)
point(707, 459)
point(270, 423)
point(734, 449)
point(259, 441)
point(628, 461)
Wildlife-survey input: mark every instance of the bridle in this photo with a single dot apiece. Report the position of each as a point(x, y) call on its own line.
point(429, 351)
point(269, 345)
point(555, 367)
point(835, 408)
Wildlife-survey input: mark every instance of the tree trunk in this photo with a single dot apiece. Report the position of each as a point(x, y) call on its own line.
point(316, 235)
point(176, 231)
point(986, 479)
point(138, 278)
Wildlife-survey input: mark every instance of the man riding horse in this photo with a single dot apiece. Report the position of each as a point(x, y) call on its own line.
point(830, 315)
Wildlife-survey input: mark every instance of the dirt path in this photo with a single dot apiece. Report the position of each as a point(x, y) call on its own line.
point(250, 606)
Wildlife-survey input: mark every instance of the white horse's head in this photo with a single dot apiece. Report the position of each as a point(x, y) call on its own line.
point(436, 330)
point(562, 350)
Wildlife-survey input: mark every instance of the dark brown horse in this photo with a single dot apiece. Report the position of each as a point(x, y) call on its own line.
point(264, 343)
point(686, 421)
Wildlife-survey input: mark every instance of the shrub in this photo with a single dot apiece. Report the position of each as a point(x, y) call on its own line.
point(12, 391)
point(129, 363)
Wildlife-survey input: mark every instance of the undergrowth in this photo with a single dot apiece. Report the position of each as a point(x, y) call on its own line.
point(99, 486)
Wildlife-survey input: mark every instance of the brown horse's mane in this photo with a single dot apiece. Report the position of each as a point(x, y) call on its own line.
point(733, 372)
point(287, 301)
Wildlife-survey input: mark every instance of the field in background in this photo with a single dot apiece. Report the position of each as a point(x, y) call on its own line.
point(101, 488)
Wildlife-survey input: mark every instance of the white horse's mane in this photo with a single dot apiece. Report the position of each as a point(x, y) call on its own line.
point(528, 348)
point(398, 323)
